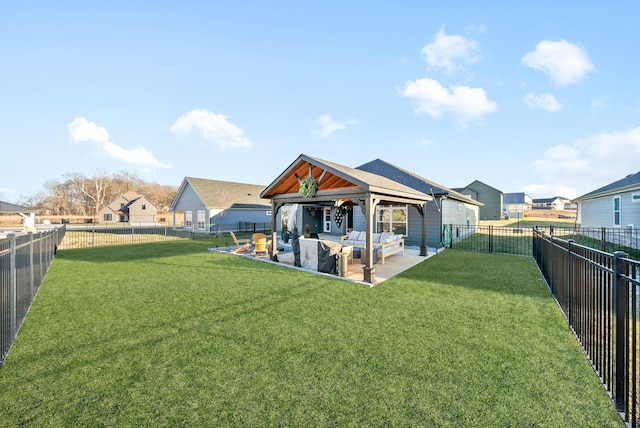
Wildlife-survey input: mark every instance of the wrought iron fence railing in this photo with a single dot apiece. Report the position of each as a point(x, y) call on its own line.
point(518, 241)
point(598, 294)
point(95, 235)
point(24, 260)
point(488, 239)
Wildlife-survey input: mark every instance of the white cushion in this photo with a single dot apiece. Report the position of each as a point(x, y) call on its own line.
point(384, 236)
point(362, 236)
point(390, 239)
point(353, 235)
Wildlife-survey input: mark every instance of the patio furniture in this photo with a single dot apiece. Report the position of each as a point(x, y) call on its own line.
point(386, 243)
point(319, 254)
point(261, 245)
point(242, 245)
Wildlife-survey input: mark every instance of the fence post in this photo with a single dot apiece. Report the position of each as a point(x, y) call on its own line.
point(603, 239)
point(621, 330)
point(13, 280)
point(490, 239)
point(569, 279)
point(31, 273)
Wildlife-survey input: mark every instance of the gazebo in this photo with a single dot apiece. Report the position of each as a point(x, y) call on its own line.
point(309, 179)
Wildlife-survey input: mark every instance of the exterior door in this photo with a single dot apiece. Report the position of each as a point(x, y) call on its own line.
point(326, 220)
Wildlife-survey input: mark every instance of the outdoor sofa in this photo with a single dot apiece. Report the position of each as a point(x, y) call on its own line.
point(386, 243)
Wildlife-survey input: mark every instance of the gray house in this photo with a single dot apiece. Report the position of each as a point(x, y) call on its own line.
point(616, 205)
point(489, 196)
point(129, 208)
point(555, 203)
point(448, 206)
point(517, 204)
point(214, 205)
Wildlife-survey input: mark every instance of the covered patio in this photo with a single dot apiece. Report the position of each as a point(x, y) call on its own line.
point(312, 180)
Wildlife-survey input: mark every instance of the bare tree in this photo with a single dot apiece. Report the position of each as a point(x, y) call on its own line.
point(94, 190)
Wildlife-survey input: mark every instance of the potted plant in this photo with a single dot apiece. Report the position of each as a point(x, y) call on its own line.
point(307, 230)
point(285, 233)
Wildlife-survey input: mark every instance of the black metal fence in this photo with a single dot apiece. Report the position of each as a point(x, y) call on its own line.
point(24, 260)
point(518, 241)
point(598, 294)
point(102, 235)
point(248, 227)
point(94, 235)
point(488, 239)
point(601, 238)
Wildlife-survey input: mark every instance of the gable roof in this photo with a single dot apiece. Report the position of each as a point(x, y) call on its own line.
point(468, 186)
point(334, 179)
point(224, 194)
point(549, 200)
point(630, 182)
point(414, 181)
point(140, 198)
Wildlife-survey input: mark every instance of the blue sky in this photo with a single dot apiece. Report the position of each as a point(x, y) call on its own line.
point(539, 97)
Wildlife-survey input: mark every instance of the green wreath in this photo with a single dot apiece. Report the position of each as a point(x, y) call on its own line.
point(308, 187)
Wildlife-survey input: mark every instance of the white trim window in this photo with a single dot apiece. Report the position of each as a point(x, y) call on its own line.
point(392, 219)
point(188, 219)
point(200, 219)
point(616, 211)
point(327, 219)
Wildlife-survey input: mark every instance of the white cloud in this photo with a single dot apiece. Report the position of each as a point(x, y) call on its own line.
point(212, 127)
point(81, 130)
point(564, 62)
point(450, 53)
point(465, 103)
point(328, 126)
point(545, 102)
point(587, 164)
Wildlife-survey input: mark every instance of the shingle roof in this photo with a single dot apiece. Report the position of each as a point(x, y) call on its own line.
point(8, 208)
point(412, 180)
point(227, 194)
point(630, 181)
point(338, 178)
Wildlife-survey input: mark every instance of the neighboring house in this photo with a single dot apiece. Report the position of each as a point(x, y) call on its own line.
point(491, 197)
point(214, 205)
point(448, 206)
point(555, 203)
point(27, 214)
point(129, 208)
point(516, 204)
point(616, 205)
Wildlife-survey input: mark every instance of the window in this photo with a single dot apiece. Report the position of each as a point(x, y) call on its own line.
point(392, 219)
point(201, 220)
point(616, 211)
point(188, 219)
point(144, 206)
point(635, 197)
point(108, 217)
point(284, 216)
point(327, 219)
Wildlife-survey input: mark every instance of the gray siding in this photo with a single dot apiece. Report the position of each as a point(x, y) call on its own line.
point(231, 217)
point(434, 222)
point(599, 212)
point(490, 197)
point(189, 201)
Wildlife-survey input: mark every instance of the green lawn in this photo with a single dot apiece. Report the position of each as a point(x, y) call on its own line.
point(169, 334)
